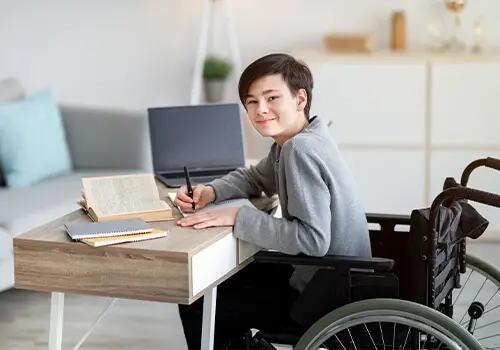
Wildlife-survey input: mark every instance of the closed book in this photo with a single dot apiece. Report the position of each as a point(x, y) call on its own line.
point(105, 241)
point(81, 230)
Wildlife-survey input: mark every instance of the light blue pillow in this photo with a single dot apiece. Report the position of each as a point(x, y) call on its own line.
point(33, 143)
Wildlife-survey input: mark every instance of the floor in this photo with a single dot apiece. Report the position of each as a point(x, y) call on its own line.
point(128, 325)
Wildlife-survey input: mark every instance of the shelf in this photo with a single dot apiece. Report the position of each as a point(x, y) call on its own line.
point(392, 56)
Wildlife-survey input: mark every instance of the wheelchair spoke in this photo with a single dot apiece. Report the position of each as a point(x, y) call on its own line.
point(406, 339)
point(491, 297)
point(336, 337)
point(463, 287)
point(489, 336)
point(475, 297)
point(394, 337)
point(350, 335)
point(488, 324)
point(381, 334)
point(370, 335)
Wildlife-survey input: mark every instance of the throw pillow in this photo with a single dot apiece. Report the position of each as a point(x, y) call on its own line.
point(10, 90)
point(33, 143)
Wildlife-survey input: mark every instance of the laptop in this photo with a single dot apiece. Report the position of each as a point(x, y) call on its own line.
point(208, 139)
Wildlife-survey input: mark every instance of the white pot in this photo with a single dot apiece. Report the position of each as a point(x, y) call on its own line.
point(214, 90)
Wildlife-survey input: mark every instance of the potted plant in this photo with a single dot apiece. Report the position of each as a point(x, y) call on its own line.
point(215, 73)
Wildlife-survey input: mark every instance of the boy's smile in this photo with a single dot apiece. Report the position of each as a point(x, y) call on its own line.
point(266, 121)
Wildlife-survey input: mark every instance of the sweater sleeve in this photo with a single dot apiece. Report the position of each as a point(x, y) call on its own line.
point(307, 230)
point(247, 182)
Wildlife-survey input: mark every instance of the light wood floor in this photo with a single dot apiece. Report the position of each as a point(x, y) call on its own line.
point(129, 324)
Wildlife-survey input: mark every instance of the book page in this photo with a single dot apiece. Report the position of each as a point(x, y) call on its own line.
point(122, 194)
point(117, 208)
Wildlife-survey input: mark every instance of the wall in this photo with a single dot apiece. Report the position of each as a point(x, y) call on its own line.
point(137, 54)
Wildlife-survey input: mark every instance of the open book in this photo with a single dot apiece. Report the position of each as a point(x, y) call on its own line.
point(118, 197)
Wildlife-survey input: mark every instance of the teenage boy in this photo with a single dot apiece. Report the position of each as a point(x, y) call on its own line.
point(321, 208)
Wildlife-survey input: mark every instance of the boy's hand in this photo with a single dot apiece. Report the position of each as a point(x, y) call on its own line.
point(202, 195)
point(222, 217)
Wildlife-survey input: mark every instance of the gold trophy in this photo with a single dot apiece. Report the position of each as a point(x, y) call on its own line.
point(455, 44)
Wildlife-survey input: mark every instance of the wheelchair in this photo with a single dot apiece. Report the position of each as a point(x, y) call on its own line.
point(406, 296)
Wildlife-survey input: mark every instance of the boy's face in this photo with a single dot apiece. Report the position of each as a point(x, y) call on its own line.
point(273, 110)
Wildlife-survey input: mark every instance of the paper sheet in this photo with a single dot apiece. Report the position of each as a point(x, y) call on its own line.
point(245, 249)
point(228, 203)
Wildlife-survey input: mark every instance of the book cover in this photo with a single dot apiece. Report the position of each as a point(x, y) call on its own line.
point(81, 230)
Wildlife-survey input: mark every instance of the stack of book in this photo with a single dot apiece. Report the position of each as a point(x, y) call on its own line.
point(98, 234)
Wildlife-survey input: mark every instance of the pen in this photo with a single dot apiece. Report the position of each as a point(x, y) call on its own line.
point(188, 183)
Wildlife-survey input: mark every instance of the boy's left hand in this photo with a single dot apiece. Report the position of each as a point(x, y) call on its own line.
point(222, 217)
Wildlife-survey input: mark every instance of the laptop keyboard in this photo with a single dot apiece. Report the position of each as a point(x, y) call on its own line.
point(204, 179)
point(180, 181)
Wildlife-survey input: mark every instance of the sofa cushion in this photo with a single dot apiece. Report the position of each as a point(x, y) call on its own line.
point(26, 208)
point(33, 143)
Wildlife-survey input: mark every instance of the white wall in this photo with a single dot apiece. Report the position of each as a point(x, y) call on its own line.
point(140, 53)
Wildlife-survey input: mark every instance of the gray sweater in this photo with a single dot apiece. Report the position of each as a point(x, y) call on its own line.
point(321, 206)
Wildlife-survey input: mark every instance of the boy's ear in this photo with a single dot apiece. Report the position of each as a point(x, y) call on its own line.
point(301, 99)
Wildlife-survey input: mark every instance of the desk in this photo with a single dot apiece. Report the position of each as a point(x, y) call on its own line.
point(179, 268)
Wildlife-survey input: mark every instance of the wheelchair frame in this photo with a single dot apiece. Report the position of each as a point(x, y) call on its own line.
point(434, 265)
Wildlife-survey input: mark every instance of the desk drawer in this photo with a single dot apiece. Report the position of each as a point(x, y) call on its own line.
point(213, 263)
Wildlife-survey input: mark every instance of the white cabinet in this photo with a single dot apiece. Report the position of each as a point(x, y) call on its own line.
point(465, 125)
point(390, 181)
point(406, 122)
point(465, 104)
point(372, 103)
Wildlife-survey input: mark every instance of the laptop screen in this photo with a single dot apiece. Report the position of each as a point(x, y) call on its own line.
point(199, 137)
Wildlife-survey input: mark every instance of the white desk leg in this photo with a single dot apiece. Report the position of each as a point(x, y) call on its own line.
point(207, 333)
point(56, 321)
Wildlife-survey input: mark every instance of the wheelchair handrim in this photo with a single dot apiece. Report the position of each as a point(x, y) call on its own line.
point(378, 309)
point(375, 316)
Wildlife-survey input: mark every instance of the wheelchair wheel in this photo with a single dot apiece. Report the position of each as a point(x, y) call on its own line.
point(476, 305)
point(386, 324)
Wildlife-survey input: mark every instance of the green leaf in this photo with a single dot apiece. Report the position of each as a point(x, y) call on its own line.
point(216, 68)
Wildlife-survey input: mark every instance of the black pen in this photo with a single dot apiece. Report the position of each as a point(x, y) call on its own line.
point(188, 183)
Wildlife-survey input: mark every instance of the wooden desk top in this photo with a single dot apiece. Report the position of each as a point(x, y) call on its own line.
point(46, 259)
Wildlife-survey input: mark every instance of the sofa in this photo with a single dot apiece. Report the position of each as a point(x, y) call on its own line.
point(101, 142)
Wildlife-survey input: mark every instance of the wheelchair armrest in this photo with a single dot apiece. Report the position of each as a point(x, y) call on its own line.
point(338, 261)
point(388, 219)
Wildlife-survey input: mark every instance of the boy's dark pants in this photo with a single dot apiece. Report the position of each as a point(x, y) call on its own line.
point(258, 296)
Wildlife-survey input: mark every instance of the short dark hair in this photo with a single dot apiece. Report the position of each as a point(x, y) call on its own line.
point(295, 73)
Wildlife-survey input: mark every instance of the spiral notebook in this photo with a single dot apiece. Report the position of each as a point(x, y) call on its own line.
point(79, 230)
point(137, 237)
